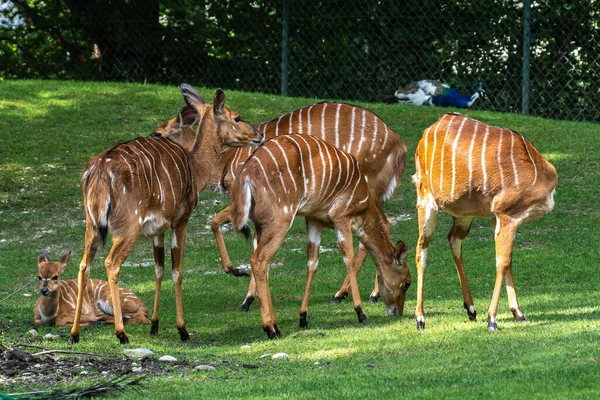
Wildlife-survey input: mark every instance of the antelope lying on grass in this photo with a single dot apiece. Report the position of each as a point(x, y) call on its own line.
point(56, 305)
point(471, 169)
point(302, 175)
point(380, 152)
point(144, 187)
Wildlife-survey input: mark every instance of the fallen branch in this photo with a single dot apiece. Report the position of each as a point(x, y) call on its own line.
point(13, 293)
point(42, 353)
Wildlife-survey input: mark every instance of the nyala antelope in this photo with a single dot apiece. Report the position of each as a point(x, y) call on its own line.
point(144, 187)
point(470, 169)
point(380, 153)
point(56, 305)
point(302, 175)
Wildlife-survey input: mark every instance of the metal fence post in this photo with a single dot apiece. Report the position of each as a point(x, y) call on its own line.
point(526, 54)
point(285, 50)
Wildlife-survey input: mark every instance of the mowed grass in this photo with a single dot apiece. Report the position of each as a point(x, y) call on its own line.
point(48, 130)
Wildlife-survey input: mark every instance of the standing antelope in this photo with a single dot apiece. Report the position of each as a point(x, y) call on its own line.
point(144, 187)
point(56, 305)
point(380, 152)
point(302, 175)
point(471, 169)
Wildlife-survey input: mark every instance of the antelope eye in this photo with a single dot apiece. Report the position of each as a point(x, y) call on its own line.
point(407, 285)
point(237, 118)
point(39, 278)
point(55, 278)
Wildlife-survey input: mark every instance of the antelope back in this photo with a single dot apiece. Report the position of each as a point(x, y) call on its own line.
point(476, 169)
point(148, 178)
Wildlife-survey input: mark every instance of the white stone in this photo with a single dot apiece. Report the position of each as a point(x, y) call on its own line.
point(33, 332)
point(246, 347)
point(265, 355)
point(138, 353)
point(205, 368)
point(50, 336)
point(280, 356)
point(167, 359)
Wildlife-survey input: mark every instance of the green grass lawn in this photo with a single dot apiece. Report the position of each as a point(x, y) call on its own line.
point(48, 130)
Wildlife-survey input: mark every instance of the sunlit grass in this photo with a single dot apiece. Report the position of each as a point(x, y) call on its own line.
point(48, 130)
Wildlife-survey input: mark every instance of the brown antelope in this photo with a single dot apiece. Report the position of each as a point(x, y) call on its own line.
point(470, 169)
point(56, 305)
point(144, 187)
point(380, 152)
point(302, 175)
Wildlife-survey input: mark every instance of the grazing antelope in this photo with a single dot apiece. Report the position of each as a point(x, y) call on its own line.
point(380, 152)
point(56, 305)
point(144, 187)
point(470, 169)
point(302, 175)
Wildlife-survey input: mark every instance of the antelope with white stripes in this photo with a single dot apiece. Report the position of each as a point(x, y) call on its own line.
point(56, 305)
point(470, 169)
point(302, 175)
point(380, 152)
point(144, 187)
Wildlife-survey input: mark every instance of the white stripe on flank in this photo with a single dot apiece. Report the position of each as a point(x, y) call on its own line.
point(287, 164)
point(512, 157)
point(308, 119)
point(265, 174)
point(290, 124)
point(425, 149)
point(277, 126)
point(433, 153)
point(312, 170)
point(170, 152)
point(166, 172)
point(139, 154)
point(337, 126)
point(301, 162)
point(319, 145)
point(270, 153)
point(349, 150)
point(130, 170)
point(155, 170)
point(442, 157)
point(530, 158)
point(374, 138)
point(499, 159)
point(299, 121)
point(354, 190)
point(323, 122)
point(474, 135)
point(385, 136)
point(483, 166)
point(454, 146)
point(339, 162)
point(326, 192)
point(362, 131)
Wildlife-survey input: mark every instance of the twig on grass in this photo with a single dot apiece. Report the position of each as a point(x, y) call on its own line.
point(15, 292)
point(52, 351)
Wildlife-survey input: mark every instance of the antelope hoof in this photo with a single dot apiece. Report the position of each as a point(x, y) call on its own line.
point(183, 334)
point(304, 319)
point(75, 338)
point(154, 328)
point(373, 299)
point(492, 326)
point(420, 323)
point(272, 332)
point(471, 312)
point(518, 316)
point(339, 297)
point(362, 318)
point(246, 304)
point(237, 271)
point(123, 339)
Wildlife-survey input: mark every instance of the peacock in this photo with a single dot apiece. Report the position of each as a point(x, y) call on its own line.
point(429, 92)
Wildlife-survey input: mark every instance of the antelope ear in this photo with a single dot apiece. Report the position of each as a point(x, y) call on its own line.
point(219, 102)
point(400, 252)
point(190, 95)
point(188, 116)
point(43, 257)
point(65, 259)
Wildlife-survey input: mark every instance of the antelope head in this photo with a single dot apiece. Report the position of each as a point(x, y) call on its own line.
point(232, 129)
point(393, 288)
point(50, 272)
point(180, 129)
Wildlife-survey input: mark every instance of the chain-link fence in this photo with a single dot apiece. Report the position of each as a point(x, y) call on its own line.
point(337, 49)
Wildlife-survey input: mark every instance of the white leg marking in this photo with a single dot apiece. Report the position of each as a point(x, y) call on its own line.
point(159, 271)
point(173, 240)
point(175, 276)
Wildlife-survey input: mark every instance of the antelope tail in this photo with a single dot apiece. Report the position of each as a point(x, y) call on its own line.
point(97, 192)
point(241, 203)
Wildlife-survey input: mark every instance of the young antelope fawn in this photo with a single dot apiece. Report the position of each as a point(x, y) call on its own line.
point(380, 153)
point(302, 175)
point(470, 169)
point(56, 305)
point(144, 187)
